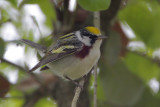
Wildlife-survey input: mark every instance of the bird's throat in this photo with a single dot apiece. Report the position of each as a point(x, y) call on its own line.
point(84, 52)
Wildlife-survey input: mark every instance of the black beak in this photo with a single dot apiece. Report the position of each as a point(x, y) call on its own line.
point(101, 37)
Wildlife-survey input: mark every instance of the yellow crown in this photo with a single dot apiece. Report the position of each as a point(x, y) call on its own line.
point(93, 30)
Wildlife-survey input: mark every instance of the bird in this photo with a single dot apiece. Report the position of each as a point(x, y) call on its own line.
point(73, 55)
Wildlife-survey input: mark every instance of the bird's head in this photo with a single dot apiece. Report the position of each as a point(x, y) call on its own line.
point(89, 35)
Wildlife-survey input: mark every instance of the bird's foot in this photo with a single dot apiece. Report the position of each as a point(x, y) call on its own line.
point(75, 82)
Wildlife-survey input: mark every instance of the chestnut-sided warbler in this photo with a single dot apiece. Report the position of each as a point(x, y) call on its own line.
point(74, 54)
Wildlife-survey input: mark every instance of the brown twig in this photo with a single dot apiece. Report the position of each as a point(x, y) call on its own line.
point(95, 86)
point(155, 60)
point(96, 24)
point(12, 97)
point(22, 69)
point(59, 4)
point(77, 93)
point(13, 64)
point(108, 15)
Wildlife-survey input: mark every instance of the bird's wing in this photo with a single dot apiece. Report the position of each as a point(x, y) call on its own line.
point(64, 40)
point(34, 45)
point(61, 51)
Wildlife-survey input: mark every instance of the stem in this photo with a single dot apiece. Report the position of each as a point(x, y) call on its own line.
point(12, 97)
point(13, 64)
point(95, 86)
point(154, 60)
point(77, 93)
point(96, 19)
point(36, 22)
point(38, 79)
point(96, 24)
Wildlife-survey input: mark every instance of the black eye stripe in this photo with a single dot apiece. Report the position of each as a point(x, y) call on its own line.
point(88, 34)
point(93, 37)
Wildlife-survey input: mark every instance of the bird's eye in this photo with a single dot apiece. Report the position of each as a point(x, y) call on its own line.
point(90, 37)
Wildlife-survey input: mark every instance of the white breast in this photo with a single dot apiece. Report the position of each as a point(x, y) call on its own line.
point(74, 67)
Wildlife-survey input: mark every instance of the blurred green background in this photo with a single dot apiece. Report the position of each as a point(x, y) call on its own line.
point(129, 67)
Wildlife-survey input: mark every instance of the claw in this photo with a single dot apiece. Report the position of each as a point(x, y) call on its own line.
point(75, 82)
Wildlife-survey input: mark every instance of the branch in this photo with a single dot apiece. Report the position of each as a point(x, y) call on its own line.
point(36, 23)
point(32, 99)
point(13, 64)
point(12, 97)
point(95, 86)
point(108, 15)
point(97, 19)
point(77, 93)
point(155, 60)
point(96, 24)
point(38, 79)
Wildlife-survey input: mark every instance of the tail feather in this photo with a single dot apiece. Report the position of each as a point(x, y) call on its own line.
point(34, 45)
point(34, 68)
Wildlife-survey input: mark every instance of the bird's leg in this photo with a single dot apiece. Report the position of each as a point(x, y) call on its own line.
point(73, 81)
point(85, 77)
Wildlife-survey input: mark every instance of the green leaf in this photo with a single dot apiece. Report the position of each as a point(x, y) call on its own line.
point(44, 102)
point(94, 5)
point(2, 47)
point(46, 7)
point(15, 92)
point(142, 67)
point(11, 102)
point(121, 87)
point(112, 48)
point(148, 99)
point(13, 2)
point(100, 92)
point(143, 17)
point(4, 17)
point(3, 66)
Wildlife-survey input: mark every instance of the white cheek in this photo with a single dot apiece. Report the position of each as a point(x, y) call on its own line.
point(78, 35)
point(86, 41)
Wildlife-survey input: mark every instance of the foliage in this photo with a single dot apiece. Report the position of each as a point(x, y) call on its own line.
point(144, 14)
point(128, 79)
point(94, 5)
point(2, 47)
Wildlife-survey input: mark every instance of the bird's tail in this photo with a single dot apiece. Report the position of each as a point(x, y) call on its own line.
point(34, 68)
point(34, 45)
